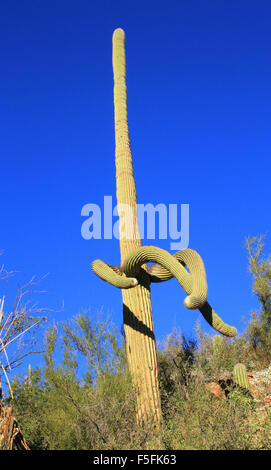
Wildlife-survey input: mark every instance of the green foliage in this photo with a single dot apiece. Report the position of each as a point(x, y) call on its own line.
point(29, 402)
point(240, 393)
point(243, 400)
point(198, 421)
point(260, 269)
point(258, 332)
point(218, 342)
point(83, 398)
point(218, 356)
point(62, 409)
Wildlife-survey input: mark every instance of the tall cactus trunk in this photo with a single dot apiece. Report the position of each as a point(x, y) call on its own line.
point(137, 311)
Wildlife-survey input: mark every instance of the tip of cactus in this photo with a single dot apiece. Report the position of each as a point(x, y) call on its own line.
point(240, 365)
point(187, 302)
point(118, 33)
point(133, 281)
point(192, 302)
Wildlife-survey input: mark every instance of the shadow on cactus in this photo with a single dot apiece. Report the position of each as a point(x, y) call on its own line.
point(134, 276)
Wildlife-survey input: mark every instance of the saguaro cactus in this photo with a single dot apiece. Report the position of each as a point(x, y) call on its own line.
point(134, 276)
point(240, 376)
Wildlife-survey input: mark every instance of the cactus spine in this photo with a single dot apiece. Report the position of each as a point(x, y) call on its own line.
point(240, 376)
point(134, 276)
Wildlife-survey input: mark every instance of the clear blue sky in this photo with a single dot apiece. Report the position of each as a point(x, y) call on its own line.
point(199, 100)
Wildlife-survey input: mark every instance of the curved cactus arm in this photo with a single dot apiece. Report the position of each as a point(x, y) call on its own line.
point(186, 257)
point(195, 284)
point(216, 322)
point(159, 274)
point(113, 275)
point(167, 266)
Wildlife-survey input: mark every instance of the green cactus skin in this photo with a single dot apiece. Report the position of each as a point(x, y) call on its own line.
point(134, 277)
point(159, 274)
point(137, 308)
point(108, 274)
point(216, 322)
point(167, 266)
point(240, 376)
point(197, 289)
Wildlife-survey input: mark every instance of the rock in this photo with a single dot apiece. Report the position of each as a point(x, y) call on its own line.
point(215, 389)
